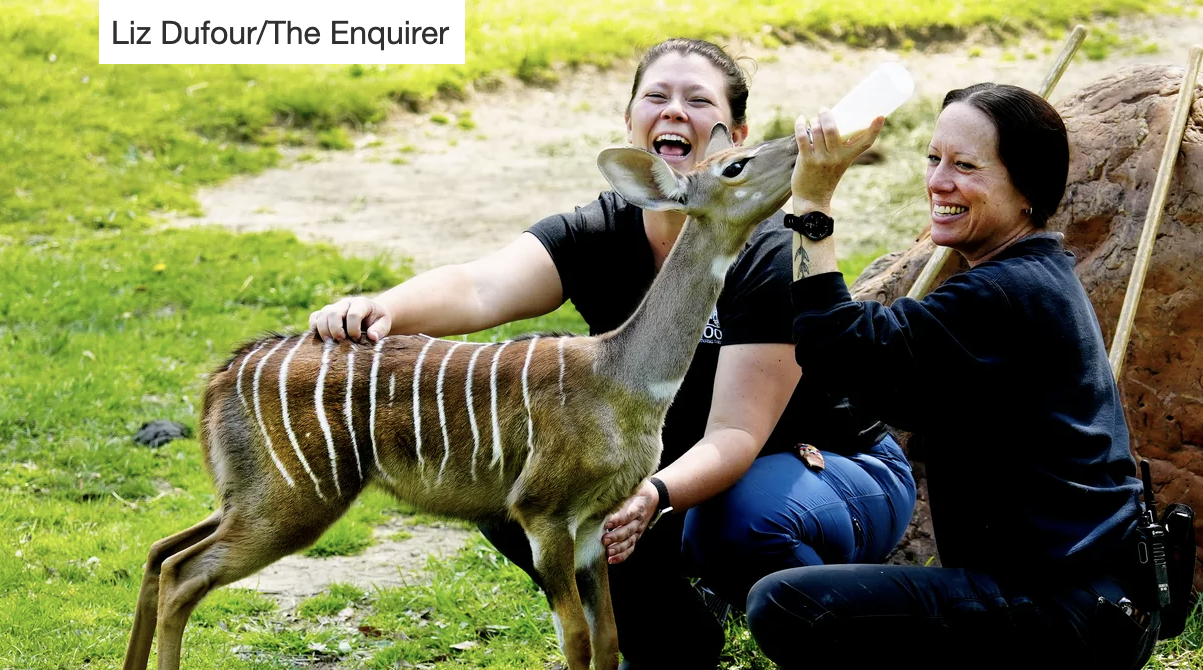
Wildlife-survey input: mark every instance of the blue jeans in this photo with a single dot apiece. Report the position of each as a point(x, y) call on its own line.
point(781, 515)
point(899, 617)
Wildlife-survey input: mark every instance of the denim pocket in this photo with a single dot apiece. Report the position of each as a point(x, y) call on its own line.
point(1118, 642)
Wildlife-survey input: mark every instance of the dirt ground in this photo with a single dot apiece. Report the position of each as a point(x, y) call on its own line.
point(441, 194)
point(388, 562)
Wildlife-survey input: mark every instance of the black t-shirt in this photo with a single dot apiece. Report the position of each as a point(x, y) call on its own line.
point(606, 266)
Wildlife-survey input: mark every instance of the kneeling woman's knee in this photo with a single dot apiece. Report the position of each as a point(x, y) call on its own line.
point(731, 545)
point(787, 625)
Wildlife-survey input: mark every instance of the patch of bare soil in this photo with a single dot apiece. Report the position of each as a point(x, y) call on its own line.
point(453, 194)
point(387, 563)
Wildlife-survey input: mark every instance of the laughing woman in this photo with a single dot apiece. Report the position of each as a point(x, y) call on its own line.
point(1003, 371)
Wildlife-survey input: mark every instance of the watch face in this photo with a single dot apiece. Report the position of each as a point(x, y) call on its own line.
point(817, 225)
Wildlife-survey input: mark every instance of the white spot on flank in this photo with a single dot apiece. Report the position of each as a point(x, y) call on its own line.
point(259, 413)
point(372, 405)
point(321, 412)
point(497, 455)
point(471, 409)
point(563, 397)
point(418, 404)
point(442, 412)
point(555, 622)
point(536, 550)
point(589, 547)
point(347, 412)
point(530, 421)
point(292, 437)
point(392, 387)
point(661, 391)
point(720, 265)
point(238, 384)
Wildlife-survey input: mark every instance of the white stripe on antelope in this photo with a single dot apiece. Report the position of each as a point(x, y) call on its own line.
point(347, 404)
point(471, 407)
point(267, 440)
point(320, 408)
point(292, 437)
point(372, 406)
point(418, 406)
point(530, 421)
point(497, 455)
point(443, 412)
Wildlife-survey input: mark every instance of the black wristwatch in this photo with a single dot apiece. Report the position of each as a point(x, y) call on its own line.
point(813, 226)
point(664, 506)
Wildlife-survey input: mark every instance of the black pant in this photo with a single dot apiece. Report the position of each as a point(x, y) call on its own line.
point(892, 616)
point(662, 621)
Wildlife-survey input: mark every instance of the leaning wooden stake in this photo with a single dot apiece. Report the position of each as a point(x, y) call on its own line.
point(940, 256)
point(1165, 171)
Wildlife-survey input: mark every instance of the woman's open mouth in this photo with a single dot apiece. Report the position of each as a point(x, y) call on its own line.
point(671, 145)
point(947, 213)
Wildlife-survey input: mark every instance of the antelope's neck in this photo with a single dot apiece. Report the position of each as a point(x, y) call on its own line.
point(653, 349)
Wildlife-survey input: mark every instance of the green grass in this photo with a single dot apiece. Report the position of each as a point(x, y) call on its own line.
point(340, 597)
point(108, 321)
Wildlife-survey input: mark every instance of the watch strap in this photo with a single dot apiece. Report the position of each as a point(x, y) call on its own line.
point(663, 505)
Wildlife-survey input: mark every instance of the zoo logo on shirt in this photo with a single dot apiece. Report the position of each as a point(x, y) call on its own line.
point(713, 332)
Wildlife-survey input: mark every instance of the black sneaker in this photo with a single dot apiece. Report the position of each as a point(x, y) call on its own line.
point(720, 608)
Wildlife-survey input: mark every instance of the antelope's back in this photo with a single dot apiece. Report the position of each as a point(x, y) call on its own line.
point(448, 426)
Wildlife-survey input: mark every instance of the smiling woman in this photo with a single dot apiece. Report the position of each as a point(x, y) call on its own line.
point(1018, 337)
point(988, 178)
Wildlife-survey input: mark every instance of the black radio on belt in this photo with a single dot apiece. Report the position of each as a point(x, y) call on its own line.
point(1150, 549)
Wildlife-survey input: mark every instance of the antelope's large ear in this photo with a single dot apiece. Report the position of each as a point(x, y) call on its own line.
point(720, 139)
point(643, 179)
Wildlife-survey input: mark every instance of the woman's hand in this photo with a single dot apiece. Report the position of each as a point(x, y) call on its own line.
point(823, 157)
point(352, 318)
point(627, 524)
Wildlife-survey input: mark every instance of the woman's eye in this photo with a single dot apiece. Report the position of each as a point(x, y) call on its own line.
point(703, 101)
point(964, 166)
point(933, 159)
point(734, 169)
point(658, 96)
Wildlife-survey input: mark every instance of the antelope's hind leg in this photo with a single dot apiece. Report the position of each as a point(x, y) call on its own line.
point(593, 581)
point(553, 551)
point(147, 609)
point(242, 544)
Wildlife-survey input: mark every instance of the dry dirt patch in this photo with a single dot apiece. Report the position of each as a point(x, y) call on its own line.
point(387, 563)
point(457, 194)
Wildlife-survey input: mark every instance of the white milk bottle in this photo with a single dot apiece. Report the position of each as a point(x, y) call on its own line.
point(879, 94)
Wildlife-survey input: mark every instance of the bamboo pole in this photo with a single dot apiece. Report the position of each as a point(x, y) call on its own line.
point(939, 257)
point(1144, 252)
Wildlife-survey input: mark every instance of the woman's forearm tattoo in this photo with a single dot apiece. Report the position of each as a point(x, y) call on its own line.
point(801, 263)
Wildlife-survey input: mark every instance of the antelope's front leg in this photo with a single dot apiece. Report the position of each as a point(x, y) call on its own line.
point(553, 551)
point(593, 581)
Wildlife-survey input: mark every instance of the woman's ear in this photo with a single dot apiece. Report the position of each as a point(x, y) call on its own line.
point(627, 119)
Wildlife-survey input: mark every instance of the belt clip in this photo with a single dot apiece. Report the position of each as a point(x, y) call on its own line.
point(811, 456)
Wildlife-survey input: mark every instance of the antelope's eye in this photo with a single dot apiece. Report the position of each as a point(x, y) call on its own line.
point(734, 169)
